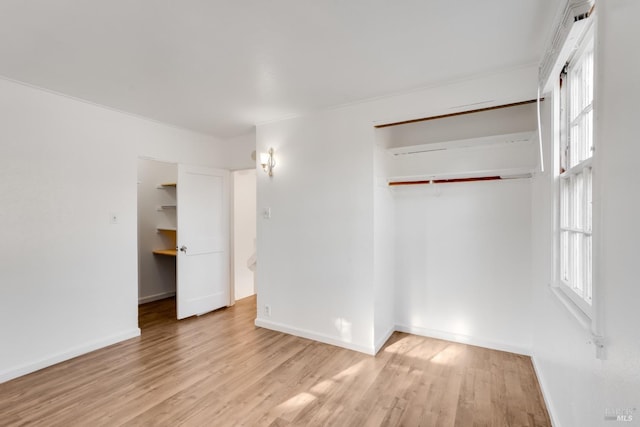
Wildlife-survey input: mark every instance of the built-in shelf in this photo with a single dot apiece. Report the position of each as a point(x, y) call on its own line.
point(169, 233)
point(166, 252)
point(480, 142)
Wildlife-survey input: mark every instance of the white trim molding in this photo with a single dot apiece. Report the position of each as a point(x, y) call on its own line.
point(304, 333)
point(76, 351)
point(155, 297)
point(545, 394)
point(382, 341)
point(556, 47)
point(463, 339)
point(587, 323)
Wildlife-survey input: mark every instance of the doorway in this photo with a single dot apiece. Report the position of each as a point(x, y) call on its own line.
point(244, 232)
point(157, 225)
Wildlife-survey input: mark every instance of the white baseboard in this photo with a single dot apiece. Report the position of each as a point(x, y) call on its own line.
point(384, 339)
point(156, 297)
point(463, 339)
point(88, 347)
point(431, 333)
point(267, 324)
point(545, 394)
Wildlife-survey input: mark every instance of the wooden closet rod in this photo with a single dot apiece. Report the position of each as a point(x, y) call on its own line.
point(444, 116)
point(446, 181)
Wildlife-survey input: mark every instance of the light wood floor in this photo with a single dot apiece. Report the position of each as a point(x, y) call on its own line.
point(220, 370)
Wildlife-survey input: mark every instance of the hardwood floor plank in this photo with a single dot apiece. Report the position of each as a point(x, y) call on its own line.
point(219, 369)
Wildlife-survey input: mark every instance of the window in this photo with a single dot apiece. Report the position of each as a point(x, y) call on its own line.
point(575, 183)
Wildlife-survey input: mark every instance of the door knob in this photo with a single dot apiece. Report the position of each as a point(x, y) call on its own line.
point(183, 248)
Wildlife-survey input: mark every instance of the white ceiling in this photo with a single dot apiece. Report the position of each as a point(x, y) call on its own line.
point(220, 67)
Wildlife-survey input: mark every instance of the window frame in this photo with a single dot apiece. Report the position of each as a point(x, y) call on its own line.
point(561, 130)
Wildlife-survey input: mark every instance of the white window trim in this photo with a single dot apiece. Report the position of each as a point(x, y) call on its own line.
point(569, 28)
point(574, 303)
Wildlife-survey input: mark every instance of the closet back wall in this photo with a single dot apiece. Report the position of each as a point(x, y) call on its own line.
point(463, 262)
point(156, 273)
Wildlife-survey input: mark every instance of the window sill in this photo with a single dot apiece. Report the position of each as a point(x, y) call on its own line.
point(583, 319)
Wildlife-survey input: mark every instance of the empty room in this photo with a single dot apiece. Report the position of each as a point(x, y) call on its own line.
point(319, 213)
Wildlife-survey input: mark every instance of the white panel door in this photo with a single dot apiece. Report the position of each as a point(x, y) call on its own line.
point(202, 240)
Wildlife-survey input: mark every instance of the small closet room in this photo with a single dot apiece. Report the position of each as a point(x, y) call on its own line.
point(157, 223)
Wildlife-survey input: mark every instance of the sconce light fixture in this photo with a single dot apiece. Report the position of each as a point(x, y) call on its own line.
point(267, 162)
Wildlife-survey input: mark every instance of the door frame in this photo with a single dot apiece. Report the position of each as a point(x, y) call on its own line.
point(174, 162)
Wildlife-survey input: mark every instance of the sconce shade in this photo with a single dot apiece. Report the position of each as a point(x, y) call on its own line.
point(267, 162)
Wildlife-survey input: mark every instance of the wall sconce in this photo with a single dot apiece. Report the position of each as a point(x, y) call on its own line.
point(267, 162)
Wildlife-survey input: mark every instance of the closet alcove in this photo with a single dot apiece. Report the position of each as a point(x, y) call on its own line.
point(453, 202)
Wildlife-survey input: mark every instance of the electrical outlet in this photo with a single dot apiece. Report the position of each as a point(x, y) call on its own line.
point(267, 310)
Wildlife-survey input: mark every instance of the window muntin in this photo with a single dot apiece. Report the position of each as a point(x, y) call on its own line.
point(576, 150)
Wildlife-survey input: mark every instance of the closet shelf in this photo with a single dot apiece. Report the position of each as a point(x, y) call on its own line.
point(166, 252)
point(480, 142)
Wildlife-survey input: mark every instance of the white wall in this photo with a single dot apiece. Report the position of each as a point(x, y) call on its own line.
point(69, 277)
point(577, 386)
point(244, 230)
point(317, 252)
point(156, 273)
point(617, 136)
point(239, 151)
point(156, 141)
point(384, 243)
point(464, 261)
